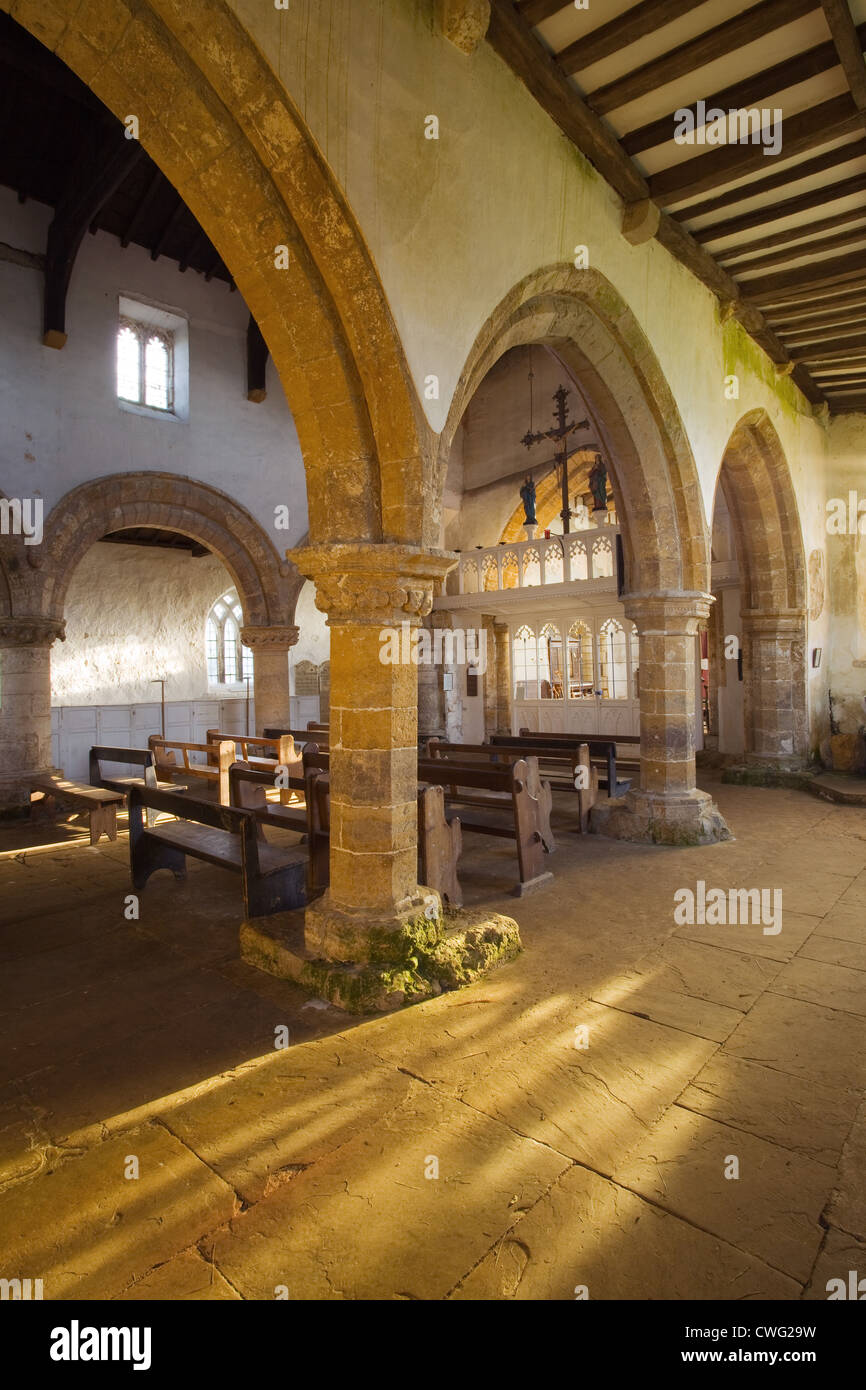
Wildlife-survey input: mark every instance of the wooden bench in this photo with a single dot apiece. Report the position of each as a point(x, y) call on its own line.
point(570, 768)
point(249, 785)
point(274, 880)
point(145, 758)
point(439, 840)
point(602, 752)
point(99, 803)
point(215, 769)
point(280, 751)
point(300, 736)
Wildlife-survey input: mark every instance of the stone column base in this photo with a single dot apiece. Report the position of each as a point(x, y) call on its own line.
point(682, 818)
point(422, 958)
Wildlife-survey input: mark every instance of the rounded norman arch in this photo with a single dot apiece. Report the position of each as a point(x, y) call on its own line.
point(267, 587)
point(756, 484)
point(586, 321)
point(222, 128)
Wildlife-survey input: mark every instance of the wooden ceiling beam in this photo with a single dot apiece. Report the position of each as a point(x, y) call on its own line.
point(144, 205)
point(807, 168)
point(530, 61)
point(836, 350)
point(812, 315)
point(803, 202)
point(814, 337)
point(793, 253)
point(808, 277)
point(845, 38)
point(90, 183)
point(257, 363)
point(805, 130)
point(618, 33)
point(750, 92)
point(754, 23)
point(537, 11)
point(169, 228)
point(793, 234)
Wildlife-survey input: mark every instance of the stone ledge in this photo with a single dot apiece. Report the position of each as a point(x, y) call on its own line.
point(691, 818)
point(467, 946)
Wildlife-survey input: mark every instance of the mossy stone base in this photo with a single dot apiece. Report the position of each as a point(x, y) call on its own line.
point(769, 775)
point(425, 958)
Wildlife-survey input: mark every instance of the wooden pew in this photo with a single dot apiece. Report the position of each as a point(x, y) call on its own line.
point(600, 749)
point(499, 800)
point(301, 736)
point(249, 785)
point(439, 840)
point(253, 751)
point(145, 758)
point(99, 803)
point(273, 879)
point(215, 772)
point(570, 768)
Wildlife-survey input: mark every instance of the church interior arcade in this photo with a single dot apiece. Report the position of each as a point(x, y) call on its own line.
point(432, 635)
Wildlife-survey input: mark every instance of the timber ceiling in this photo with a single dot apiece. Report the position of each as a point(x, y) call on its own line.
point(780, 239)
point(55, 137)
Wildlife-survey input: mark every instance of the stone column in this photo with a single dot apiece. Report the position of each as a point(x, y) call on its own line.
point(502, 648)
point(667, 807)
point(25, 706)
point(270, 648)
point(431, 697)
point(374, 595)
point(774, 688)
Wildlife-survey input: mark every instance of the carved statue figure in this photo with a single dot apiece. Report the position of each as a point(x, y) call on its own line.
point(527, 497)
point(598, 484)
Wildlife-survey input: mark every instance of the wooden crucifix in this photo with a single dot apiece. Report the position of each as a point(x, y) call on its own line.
point(559, 435)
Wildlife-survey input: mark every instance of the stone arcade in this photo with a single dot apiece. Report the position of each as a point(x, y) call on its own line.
point(286, 293)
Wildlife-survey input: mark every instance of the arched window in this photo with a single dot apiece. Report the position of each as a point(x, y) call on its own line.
point(612, 660)
point(550, 663)
point(228, 662)
point(580, 683)
point(145, 365)
point(525, 664)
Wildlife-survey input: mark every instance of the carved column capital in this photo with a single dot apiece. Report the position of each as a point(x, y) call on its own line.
point(370, 584)
point(31, 632)
point(275, 638)
point(668, 612)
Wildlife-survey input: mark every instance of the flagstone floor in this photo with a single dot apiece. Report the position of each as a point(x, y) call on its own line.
point(632, 1109)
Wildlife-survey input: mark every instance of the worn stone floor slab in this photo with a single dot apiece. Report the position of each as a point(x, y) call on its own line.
point(595, 1103)
point(587, 1232)
point(183, 1278)
point(848, 923)
point(690, 986)
point(847, 1208)
point(835, 951)
point(87, 1231)
point(288, 1109)
point(771, 1210)
point(798, 1114)
point(804, 1039)
point(749, 938)
point(365, 1222)
point(842, 1257)
point(818, 982)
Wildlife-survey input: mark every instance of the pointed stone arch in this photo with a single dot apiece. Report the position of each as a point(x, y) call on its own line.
point(221, 127)
point(756, 484)
point(585, 320)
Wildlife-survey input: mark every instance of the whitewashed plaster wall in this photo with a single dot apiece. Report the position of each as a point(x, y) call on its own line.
point(314, 641)
point(454, 223)
point(60, 421)
point(133, 615)
point(846, 583)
